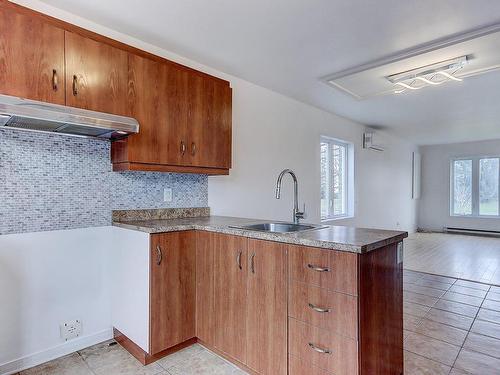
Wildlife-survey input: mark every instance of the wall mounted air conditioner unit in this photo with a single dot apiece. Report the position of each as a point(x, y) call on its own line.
point(368, 142)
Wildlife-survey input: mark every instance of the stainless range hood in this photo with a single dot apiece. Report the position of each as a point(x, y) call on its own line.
point(24, 114)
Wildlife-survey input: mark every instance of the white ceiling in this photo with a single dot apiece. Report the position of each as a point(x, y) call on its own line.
point(288, 45)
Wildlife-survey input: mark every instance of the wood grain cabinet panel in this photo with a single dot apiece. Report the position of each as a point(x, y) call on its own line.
point(267, 308)
point(298, 367)
point(321, 348)
point(172, 289)
point(231, 296)
point(330, 269)
point(334, 311)
point(205, 293)
point(31, 57)
point(96, 75)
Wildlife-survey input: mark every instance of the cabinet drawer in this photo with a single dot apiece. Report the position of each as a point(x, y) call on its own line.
point(325, 309)
point(307, 343)
point(330, 269)
point(298, 367)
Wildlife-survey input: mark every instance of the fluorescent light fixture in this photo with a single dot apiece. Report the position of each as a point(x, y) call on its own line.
point(428, 75)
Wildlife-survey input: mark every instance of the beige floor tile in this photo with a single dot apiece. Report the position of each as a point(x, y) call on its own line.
point(423, 290)
point(433, 284)
point(411, 278)
point(495, 296)
point(468, 291)
point(495, 289)
point(456, 307)
point(486, 328)
point(415, 309)
point(180, 356)
point(443, 332)
point(203, 363)
point(419, 298)
point(104, 359)
point(71, 364)
point(462, 298)
point(489, 315)
point(431, 348)
point(477, 363)
point(450, 318)
point(483, 344)
point(492, 305)
point(411, 322)
point(472, 284)
point(455, 371)
point(418, 365)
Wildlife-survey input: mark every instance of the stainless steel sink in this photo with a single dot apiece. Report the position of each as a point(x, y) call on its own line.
point(279, 227)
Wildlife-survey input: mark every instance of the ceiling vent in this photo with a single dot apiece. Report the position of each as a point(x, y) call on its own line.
point(443, 61)
point(368, 142)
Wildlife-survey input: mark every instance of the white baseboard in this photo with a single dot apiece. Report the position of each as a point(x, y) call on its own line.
point(54, 352)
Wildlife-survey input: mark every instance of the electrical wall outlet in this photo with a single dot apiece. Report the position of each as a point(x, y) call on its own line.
point(167, 194)
point(71, 329)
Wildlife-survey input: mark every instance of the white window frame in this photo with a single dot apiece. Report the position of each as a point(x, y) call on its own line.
point(475, 187)
point(348, 179)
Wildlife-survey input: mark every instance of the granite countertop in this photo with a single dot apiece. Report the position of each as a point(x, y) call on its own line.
point(356, 240)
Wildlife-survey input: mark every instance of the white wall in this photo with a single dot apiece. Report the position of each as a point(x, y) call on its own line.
point(434, 208)
point(272, 132)
point(47, 278)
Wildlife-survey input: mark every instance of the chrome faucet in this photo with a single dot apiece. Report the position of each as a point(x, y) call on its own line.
point(297, 215)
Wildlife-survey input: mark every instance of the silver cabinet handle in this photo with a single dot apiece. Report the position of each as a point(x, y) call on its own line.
point(75, 85)
point(183, 148)
point(252, 263)
point(159, 255)
point(318, 269)
point(238, 259)
point(319, 309)
point(319, 350)
point(193, 148)
point(54, 80)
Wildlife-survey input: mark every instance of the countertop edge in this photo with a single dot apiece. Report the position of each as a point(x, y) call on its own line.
point(288, 238)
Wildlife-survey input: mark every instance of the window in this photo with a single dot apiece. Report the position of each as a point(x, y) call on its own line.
point(336, 178)
point(475, 187)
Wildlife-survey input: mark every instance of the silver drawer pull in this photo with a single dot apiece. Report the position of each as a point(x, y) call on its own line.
point(319, 350)
point(319, 309)
point(318, 269)
point(159, 255)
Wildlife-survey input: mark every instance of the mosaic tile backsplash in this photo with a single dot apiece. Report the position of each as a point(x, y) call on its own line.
point(52, 182)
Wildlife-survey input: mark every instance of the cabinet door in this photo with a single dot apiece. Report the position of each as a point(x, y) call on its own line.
point(267, 308)
point(209, 125)
point(96, 75)
point(172, 289)
point(231, 295)
point(157, 98)
point(31, 57)
point(205, 278)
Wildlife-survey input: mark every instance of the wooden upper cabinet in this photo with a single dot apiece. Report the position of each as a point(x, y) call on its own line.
point(96, 75)
point(267, 307)
point(172, 289)
point(31, 57)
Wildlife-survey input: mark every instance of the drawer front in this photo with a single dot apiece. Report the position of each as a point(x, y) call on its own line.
point(324, 349)
point(325, 309)
point(334, 270)
point(299, 367)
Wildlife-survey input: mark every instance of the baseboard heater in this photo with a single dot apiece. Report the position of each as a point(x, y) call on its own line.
point(473, 232)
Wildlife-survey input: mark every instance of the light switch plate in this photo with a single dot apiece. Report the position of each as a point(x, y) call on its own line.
point(167, 194)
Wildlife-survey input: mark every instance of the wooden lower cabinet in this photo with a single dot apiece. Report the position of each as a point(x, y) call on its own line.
point(267, 307)
point(172, 289)
point(246, 300)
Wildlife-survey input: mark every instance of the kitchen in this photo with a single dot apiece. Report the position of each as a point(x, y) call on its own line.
point(159, 213)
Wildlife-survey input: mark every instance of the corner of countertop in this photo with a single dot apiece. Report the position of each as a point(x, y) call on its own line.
point(122, 216)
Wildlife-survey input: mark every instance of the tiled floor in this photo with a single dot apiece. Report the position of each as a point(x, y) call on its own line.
point(451, 327)
point(465, 257)
point(105, 359)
